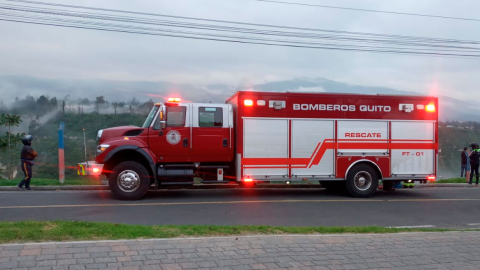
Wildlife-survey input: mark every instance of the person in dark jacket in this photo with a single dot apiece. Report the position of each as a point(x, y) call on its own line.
point(474, 162)
point(465, 165)
point(27, 157)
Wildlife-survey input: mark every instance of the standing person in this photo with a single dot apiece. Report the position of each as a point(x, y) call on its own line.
point(465, 165)
point(464, 162)
point(474, 162)
point(27, 157)
point(467, 172)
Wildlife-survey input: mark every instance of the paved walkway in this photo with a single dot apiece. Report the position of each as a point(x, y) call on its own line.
point(450, 250)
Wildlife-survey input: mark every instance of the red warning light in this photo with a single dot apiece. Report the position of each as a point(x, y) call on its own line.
point(247, 180)
point(248, 102)
point(430, 108)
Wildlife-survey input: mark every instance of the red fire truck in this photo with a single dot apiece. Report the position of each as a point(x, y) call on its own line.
point(341, 140)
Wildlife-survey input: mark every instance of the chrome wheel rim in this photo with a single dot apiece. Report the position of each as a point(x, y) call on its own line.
point(362, 180)
point(128, 181)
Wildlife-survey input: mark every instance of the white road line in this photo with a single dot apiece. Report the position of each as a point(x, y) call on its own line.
point(412, 227)
point(473, 224)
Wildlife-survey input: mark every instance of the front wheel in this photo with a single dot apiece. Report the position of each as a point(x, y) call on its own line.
point(129, 181)
point(362, 181)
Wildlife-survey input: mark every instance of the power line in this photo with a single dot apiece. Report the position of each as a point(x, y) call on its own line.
point(370, 10)
point(247, 42)
point(224, 21)
point(231, 29)
point(332, 41)
point(116, 26)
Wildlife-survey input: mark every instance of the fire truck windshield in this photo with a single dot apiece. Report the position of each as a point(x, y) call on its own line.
point(151, 116)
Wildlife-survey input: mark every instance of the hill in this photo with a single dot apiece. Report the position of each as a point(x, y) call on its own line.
point(450, 108)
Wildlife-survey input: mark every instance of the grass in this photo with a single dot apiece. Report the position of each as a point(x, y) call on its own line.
point(43, 231)
point(52, 182)
point(451, 180)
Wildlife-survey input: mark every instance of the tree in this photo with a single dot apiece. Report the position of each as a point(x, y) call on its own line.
point(9, 141)
point(63, 107)
point(84, 101)
point(121, 105)
point(99, 101)
point(33, 126)
point(3, 108)
point(115, 106)
point(42, 106)
point(53, 103)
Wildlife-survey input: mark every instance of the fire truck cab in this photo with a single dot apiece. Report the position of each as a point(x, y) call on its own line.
point(342, 140)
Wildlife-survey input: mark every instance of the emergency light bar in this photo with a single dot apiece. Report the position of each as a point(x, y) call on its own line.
point(173, 99)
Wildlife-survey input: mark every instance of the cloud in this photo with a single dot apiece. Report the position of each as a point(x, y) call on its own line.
point(74, 54)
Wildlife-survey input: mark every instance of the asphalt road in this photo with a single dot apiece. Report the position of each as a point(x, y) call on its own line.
point(430, 207)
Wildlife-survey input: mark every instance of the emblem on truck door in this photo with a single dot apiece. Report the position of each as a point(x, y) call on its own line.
point(173, 137)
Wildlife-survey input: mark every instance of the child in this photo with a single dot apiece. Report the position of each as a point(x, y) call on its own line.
point(27, 157)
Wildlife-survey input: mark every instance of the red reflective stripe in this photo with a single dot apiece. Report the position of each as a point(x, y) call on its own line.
point(329, 144)
point(321, 152)
point(275, 161)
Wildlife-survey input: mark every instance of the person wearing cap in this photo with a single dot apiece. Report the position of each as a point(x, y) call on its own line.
point(27, 157)
point(474, 162)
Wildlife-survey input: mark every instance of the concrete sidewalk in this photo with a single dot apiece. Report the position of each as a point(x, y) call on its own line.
point(218, 186)
point(448, 250)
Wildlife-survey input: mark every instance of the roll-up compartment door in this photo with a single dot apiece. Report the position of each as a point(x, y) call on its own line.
point(265, 147)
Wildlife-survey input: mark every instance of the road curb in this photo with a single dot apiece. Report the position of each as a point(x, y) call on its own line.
point(214, 186)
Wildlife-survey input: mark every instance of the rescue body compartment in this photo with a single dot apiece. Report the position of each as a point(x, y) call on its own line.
point(317, 136)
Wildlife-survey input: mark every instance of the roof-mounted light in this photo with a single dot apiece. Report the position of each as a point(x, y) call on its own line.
point(248, 102)
point(430, 107)
point(174, 100)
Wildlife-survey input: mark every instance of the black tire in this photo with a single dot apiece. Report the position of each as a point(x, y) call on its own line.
point(129, 181)
point(389, 185)
point(362, 181)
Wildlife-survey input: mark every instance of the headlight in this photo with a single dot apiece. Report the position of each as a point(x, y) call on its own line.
point(101, 148)
point(99, 135)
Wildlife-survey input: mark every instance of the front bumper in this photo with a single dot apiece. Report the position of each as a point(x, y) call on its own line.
point(90, 168)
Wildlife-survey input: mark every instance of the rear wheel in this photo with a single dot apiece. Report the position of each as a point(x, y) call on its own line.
point(129, 181)
point(362, 181)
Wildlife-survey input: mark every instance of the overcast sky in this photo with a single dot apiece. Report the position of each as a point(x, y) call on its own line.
point(63, 53)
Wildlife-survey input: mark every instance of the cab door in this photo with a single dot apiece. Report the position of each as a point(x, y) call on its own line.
point(212, 132)
point(172, 143)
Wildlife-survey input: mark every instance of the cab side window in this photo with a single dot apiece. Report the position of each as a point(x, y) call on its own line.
point(210, 117)
point(176, 116)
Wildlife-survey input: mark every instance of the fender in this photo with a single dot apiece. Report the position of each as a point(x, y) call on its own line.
point(363, 160)
point(137, 149)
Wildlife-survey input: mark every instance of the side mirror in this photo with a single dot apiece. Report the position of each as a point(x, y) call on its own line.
point(163, 124)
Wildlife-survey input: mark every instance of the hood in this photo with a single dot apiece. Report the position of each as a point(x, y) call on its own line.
point(122, 131)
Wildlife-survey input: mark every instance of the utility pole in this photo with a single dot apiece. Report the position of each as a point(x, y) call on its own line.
point(61, 154)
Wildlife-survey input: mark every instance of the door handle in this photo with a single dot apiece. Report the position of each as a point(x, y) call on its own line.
point(225, 143)
point(185, 142)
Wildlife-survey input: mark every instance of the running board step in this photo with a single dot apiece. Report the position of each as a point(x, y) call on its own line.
point(219, 182)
